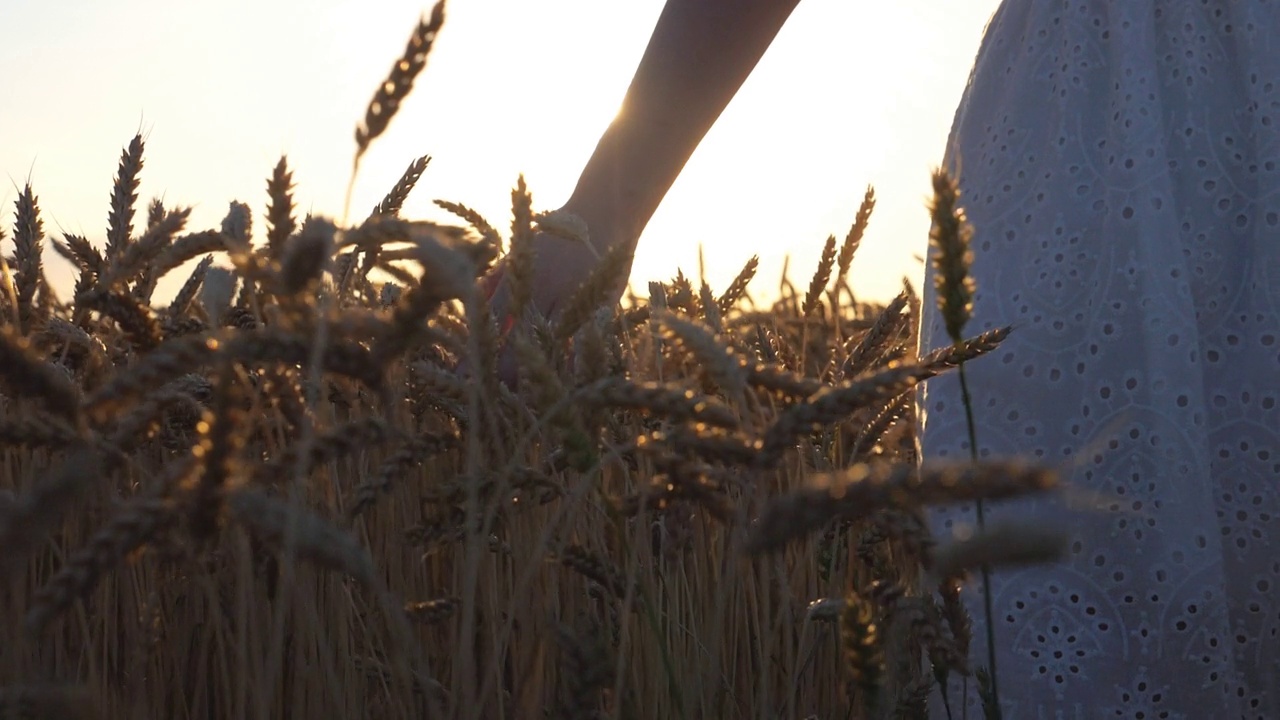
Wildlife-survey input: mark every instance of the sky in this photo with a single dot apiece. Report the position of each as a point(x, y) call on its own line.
point(851, 93)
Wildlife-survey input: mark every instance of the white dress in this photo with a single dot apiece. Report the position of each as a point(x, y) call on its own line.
point(1120, 162)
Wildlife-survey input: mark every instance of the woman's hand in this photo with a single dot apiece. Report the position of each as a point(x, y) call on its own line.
point(559, 266)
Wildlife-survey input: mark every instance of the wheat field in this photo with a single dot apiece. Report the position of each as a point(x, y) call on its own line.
point(276, 496)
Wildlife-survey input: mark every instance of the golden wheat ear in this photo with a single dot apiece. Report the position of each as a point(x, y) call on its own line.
point(853, 239)
point(861, 490)
point(395, 88)
point(28, 238)
point(394, 200)
point(138, 258)
point(280, 218)
point(737, 289)
point(726, 367)
point(124, 194)
point(813, 298)
point(952, 256)
point(863, 648)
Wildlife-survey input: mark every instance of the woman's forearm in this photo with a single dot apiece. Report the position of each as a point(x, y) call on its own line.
point(700, 53)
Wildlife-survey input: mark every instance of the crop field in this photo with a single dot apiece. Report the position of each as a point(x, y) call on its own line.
point(276, 495)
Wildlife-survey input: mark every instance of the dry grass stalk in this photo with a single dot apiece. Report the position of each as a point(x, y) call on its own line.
point(863, 489)
point(386, 101)
point(813, 298)
point(123, 196)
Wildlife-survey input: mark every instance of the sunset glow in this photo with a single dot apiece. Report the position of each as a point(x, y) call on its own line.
point(851, 94)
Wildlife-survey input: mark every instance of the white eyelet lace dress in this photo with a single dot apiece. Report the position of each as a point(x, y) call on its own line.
point(1120, 163)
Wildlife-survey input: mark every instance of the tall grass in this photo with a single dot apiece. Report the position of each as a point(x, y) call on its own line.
point(274, 497)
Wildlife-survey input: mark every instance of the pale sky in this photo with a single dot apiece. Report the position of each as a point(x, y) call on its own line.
point(851, 93)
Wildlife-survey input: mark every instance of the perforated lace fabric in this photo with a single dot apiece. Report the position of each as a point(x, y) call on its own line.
point(1120, 163)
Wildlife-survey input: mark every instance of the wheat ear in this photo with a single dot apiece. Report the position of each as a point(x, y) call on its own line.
point(28, 235)
point(386, 101)
point(124, 193)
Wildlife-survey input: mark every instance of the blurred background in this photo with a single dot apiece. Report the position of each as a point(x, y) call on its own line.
point(850, 94)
